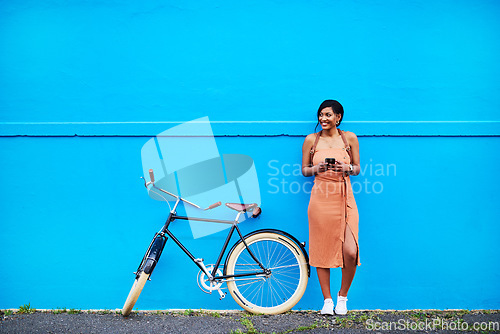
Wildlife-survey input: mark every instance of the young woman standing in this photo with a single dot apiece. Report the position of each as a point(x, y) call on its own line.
point(333, 214)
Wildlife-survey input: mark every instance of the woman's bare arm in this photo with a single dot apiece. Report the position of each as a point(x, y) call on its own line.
point(307, 168)
point(352, 139)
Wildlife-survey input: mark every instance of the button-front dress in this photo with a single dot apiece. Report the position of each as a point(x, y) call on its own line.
point(331, 208)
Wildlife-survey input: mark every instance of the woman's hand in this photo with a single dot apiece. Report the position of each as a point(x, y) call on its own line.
point(320, 168)
point(340, 167)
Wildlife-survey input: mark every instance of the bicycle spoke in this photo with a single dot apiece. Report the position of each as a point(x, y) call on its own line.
point(287, 266)
point(281, 285)
point(279, 256)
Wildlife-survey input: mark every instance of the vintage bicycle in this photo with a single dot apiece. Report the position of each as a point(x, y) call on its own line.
point(266, 271)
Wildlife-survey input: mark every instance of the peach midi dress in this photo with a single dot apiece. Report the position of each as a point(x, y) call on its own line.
point(331, 208)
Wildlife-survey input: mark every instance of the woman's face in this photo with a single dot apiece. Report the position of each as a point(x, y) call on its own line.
point(327, 118)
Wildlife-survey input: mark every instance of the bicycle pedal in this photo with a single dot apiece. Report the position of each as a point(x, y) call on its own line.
point(222, 294)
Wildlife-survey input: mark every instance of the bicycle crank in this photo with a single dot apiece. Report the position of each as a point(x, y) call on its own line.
point(205, 284)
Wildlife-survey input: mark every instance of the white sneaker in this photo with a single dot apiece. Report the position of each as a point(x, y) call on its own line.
point(341, 307)
point(327, 307)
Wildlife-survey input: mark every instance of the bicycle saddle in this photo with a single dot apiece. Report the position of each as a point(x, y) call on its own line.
point(241, 207)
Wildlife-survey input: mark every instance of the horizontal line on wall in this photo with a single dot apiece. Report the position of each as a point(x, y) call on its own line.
point(252, 128)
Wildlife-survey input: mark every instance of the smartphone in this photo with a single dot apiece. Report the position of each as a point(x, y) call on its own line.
point(330, 161)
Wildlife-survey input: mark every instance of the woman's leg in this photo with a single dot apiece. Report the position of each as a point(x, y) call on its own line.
point(350, 252)
point(324, 281)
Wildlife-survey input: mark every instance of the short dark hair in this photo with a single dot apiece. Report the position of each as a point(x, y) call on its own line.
point(336, 107)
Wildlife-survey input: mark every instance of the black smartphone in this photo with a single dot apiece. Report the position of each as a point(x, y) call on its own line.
point(330, 161)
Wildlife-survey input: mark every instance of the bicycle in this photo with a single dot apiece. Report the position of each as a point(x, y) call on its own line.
point(266, 271)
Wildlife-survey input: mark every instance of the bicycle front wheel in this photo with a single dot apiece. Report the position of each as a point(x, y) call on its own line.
point(276, 292)
point(134, 293)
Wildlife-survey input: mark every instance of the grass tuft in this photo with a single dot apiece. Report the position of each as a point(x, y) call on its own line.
point(249, 325)
point(188, 312)
point(26, 309)
point(59, 310)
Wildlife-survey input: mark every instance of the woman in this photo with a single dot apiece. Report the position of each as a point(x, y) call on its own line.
point(333, 215)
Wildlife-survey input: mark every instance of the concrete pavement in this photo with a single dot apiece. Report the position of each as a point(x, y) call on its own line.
point(205, 321)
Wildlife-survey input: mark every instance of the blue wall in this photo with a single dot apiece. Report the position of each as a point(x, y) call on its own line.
point(85, 84)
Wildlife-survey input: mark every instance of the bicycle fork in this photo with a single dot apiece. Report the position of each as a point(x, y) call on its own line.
point(153, 254)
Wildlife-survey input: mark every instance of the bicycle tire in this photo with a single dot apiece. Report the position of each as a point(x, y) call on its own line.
point(134, 293)
point(283, 288)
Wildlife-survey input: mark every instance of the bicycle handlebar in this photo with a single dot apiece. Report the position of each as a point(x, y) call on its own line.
point(152, 177)
point(213, 206)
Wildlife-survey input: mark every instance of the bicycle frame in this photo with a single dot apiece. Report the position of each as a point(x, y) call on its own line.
point(199, 262)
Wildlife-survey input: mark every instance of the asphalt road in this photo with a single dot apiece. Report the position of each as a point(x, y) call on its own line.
point(240, 322)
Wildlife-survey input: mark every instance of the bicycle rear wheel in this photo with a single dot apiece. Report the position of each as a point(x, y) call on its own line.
point(134, 293)
point(277, 292)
